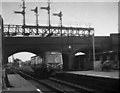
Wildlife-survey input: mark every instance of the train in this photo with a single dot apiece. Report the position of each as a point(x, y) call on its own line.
point(48, 64)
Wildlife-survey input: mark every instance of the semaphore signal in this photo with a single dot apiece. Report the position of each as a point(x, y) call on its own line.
point(48, 9)
point(59, 15)
point(36, 13)
point(23, 13)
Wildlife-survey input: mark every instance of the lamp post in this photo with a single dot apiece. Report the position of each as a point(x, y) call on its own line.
point(93, 44)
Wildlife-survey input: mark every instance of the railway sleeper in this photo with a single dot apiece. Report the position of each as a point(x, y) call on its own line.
point(82, 89)
point(59, 88)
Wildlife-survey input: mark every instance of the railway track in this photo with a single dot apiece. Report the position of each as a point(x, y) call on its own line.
point(56, 85)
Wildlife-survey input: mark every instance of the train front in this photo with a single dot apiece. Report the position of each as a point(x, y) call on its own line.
point(54, 61)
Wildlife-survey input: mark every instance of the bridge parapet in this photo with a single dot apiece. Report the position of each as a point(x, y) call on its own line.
point(46, 31)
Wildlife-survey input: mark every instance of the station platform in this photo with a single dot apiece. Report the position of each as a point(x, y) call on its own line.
point(102, 82)
point(103, 74)
point(20, 85)
point(0, 79)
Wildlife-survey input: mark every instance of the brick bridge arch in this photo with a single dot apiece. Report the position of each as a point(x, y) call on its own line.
point(40, 45)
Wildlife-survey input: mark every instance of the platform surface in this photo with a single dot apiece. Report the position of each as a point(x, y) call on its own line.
point(0, 79)
point(20, 84)
point(112, 74)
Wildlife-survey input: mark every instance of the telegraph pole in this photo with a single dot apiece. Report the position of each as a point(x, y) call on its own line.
point(48, 9)
point(59, 15)
point(36, 13)
point(23, 13)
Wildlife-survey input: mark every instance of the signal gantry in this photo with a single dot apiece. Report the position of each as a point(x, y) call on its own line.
point(45, 31)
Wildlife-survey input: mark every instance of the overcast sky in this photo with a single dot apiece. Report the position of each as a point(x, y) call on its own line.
point(102, 15)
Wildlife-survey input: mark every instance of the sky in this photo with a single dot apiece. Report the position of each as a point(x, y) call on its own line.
point(24, 56)
point(102, 15)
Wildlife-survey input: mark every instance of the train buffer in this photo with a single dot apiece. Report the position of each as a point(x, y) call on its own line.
point(20, 85)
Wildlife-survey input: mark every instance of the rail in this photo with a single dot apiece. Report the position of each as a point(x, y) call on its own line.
point(59, 86)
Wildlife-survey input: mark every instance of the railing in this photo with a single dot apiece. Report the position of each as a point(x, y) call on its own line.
point(45, 31)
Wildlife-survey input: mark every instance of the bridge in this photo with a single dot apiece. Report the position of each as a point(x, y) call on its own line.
point(46, 31)
point(67, 40)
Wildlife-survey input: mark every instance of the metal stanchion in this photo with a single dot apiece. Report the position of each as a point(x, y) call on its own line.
point(93, 43)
